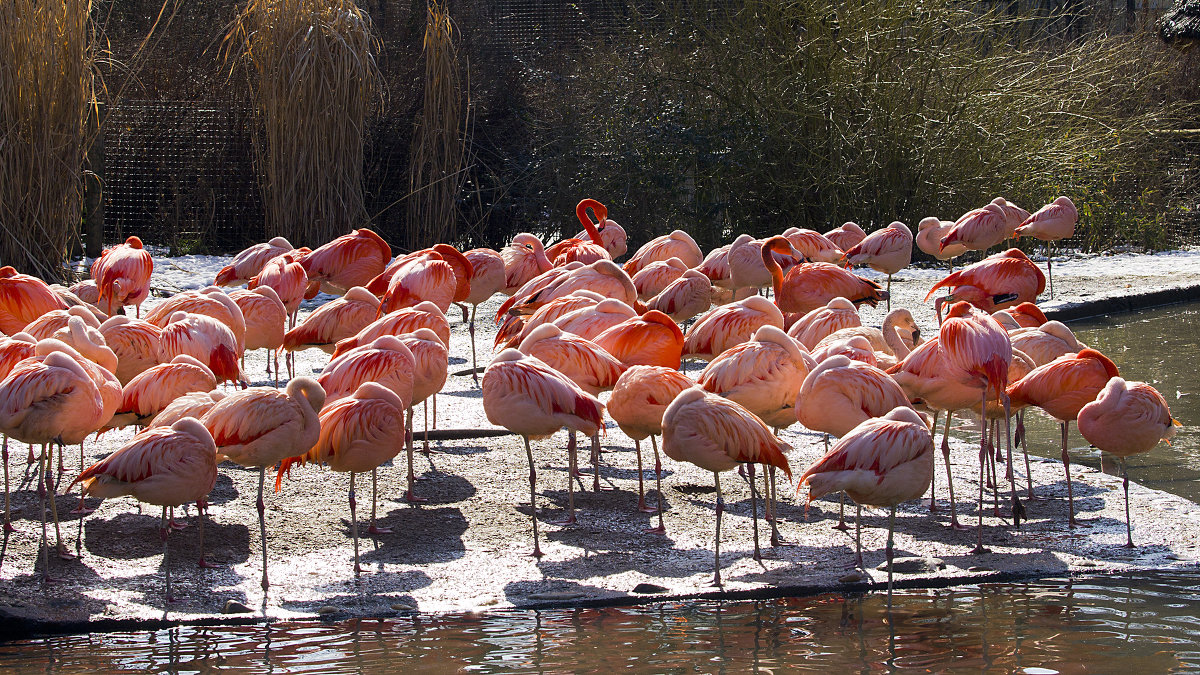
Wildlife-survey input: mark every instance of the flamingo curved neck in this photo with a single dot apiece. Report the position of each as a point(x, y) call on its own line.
point(599, 211)
point(891, 337)
point(775, 270)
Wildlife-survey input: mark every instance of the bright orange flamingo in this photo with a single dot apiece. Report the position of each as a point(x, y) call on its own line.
point(22, 299)
point(122, 274)
point(637, 404)
point(586, 251)
point(651, 339)
point(684, 298)
point(1024, 315)
point(1127, 418)
point(813, 245)
point(729, 325)
point(1061, 388)
point(406, 320)
point(1052, 222)
point(590, 367)
point(358, 433)
point(333, 321)
point(524, 259)
point(167, 467)
point(881, 462)
point(763, 375)
point(975, 344)
point(249, 262)
point(677, 244)
point(261, 426)
point(154, 389)
point(388, 361)
point(348, 261)
point(996, 282)
point(524, 395)
point(929, 238)
point(886, 250)
point(204, 338)
point(654, 277)
point(134, 341)
point(266, 320)
point(812, 285)
point(717, 434)
point(846, 236)
point(487, 279)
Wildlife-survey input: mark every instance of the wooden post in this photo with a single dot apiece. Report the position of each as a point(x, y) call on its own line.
point(93, 202)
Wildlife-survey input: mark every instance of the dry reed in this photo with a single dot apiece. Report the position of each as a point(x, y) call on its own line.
point(313, 81)
point(437, 150)
point(46, 87)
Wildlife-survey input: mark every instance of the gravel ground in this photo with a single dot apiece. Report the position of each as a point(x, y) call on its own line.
point(468, 547)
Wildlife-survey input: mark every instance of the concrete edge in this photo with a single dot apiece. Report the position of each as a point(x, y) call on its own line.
point(1123, 303)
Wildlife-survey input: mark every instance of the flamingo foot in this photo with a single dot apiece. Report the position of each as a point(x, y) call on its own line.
point(206, 565)
point(413, 499)
point(379, 530)
point(661, 529)
point(537, 552)
point(64, 554)
point(841, 526)
point(177, 524)
point(8, 527)
point(82, 510)
point(569, 520)
point(955, 525)
point(646, 509)
point(980, 549)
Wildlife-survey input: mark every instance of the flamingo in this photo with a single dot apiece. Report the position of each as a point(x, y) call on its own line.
point(977, 346)
point(1046, 342)
point(684, 298)
point(651, 339)
point(134, 341)
point(586, 364)
point(47, 324)
point(387, 361)
point(212, 302)
point(745, 261)
point(194, 404)
point(261, 426)
point(1050, 223)
point(22, 299)
point(526, 396)
point(814, 326)
point(13, 350)
point(996, 282)
point(603, 277)
point(1024, 315)
point(357, 433)
point(677, 244)
point(248, 263)
point(122, 275)
point(638, 401)
point(286, 276)
point(812, 285)
point(266, 320)
point(886, 250)
point(881, 462)
point(406, 320)
point(654, 277)
point(893, 341)
point(85, 292)
point(763, 375)
point(524, 259)
point(590, 322)
point(853, 347)
point(813, 245)
point(517, 328)
point(487, 278)
point(729, 325)
point(46, 398)
point(348, 261)
point(846, 236)
point(578, 249)
point(978, 229)
point(717, 434)
point(715, 266)
point(152, 390)
point(1061, 388)
point(929, 238)
point(440, 274)
point(334, 321)
point(1127, 418)
point(431, 361)
point(612, 236)
point(167, 467)
point(204, 338)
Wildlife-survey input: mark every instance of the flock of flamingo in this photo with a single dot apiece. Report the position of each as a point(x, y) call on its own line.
point(575, 324)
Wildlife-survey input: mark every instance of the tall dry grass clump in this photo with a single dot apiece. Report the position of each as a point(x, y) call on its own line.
point(46, 86)
point(313, 80)
point(437, 149)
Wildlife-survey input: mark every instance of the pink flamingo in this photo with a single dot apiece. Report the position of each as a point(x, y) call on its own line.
point(590, 322)
point(358, 433)
point(1061, 388)
point(13, 350)
point(654, 277)
point(853, 347)
point(746, 268)
point(586, 251)
point(638, 401)
point(930, 232)
point(122, 274)
point(812, 285)
point(194, 404)
point(677, 244)
point(167, 467)
point(431, 361)
point(249, 262)
point(715, 266)
point(1024, 315)
point(1050, 223)
point(717, 434)
point(1046, 342)
point(266, 320)
point(612, 236)
point(813, 245)
point(684, 298)
point(333, 321)
point(524, 259)
point(526, 396)
point(134, 341)
point(406, 320)
point(603, 277)
point(154, 389)
point(729, 325)
point(487, 278)
point(886, 250)
point(996, 282)
point(891, 342)
point(56, 319)
point(517, 328)
point(22, 299)
point(261, 426)
point(846, 236)
point(978, 229)
point(348, 261)
point(440, 274)
point(287, 278)
point(814, 326)
point(211, 302)
point(1127, 418)
point(204, 338)
point(881, 462)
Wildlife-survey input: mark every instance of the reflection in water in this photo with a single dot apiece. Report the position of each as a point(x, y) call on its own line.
point(1135, 623)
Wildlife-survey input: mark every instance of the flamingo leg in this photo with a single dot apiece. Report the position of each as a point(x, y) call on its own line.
point(596, 462)
point(373, 529)
point(201, 511)
point(1018, 509)
point(858, 559)
point(772, 497)
point(890, 551)
point(434, 397)
point(537, 549)
point(983, 458)
point(1066, 460)
point(889, 293)
point(354, 525)
point(408, 494)
point(59, 546)
point(1050, 268)
point(262, 523)
point(571, 451)
point(425, 408)
point(41, 490)
point(82, 508)
point(1125, 483)
point(954, 524)
point(637, 447)
point(754, 511)
point(841, 524)
point(717, 545)
point(8, 526)
point(164, 532)
point(933, 480)
point(1019, 435)
point(471, 330)
point(661, 529)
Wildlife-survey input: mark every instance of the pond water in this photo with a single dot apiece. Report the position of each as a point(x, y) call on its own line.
point(1142, 622)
